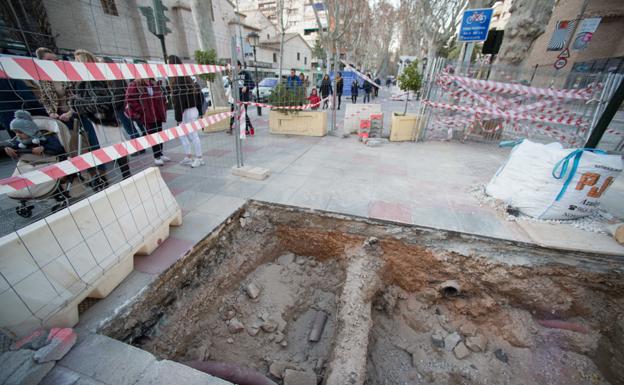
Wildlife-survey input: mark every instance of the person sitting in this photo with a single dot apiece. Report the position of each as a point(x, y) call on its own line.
point(314, 99)
point(30, 139)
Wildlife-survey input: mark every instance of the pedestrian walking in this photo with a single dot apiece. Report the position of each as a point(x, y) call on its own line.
point(187, 104)
point(388, 82)
point(246, 85)
point(314, 99)
point(146, 103)
point(339, 87)
point(368, 89)
point(326, 89)
point(355, 88)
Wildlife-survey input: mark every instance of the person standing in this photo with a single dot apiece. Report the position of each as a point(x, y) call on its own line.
point(326, 89)
point(378, 82)
point(16, 95)
point(187, 104)
point(146, 103)
point(293, 81)
point(339, 87)
point(368, 88)
point(355, 89)
point(314, 99)
point(55, 97)
point(247, 84)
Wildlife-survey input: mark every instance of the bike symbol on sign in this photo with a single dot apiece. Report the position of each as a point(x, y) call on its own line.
point(477, 17)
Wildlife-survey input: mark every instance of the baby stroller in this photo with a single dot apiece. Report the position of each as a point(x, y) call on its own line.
point(73, 140)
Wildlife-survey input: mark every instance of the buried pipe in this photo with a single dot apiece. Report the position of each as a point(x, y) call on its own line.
point(317, 327)
point(232, 372)
point(450, 288)
point(348, 364)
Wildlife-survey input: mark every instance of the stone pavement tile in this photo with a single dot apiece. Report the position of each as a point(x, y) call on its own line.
point(169, 372)
point(168, 176)
point(107, 360)
point(196, 226)
point(567, 237)
point(439, 217)
point(214, 184)
point(164, 256)
point(481, 222)
point(60, 376)
point(391, 211)
point(243, 188)
point(176, 191)
point(351, 198)
point(311, 198)
point(191, 199)
point(221, 206)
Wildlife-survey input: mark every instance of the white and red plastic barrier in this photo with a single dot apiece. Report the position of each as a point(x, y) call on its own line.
point(34, 69)
point(104, 155)
point(371, 81)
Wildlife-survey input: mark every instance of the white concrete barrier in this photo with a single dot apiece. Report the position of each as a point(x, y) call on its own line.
point(85, 250)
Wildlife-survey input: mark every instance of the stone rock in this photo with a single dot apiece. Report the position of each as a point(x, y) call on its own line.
point(437, 340)
point(501, 355)
point(235, 326)
point(230, 341)
point(252, 290)
point(35, 341)
point(286, 259)
point(279, 337)
point(28, 372)
point(277, 368)
point(477, 343)
point(519, 328)
point(11, 361)
point(461, 351)
point(296, 377)
point(284, 343)
point(61, 340)
point(442, 320)
point(253, 330)
point(300, 260)
point(468, 330)
point(451, 341)
point(269, 326)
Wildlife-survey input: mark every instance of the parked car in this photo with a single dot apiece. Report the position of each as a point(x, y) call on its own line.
point(265, 87)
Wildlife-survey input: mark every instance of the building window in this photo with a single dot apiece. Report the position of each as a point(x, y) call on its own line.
point(274, 57)
point(268, 36)
point(109, 7)
point(305, 60)
point(298, 56)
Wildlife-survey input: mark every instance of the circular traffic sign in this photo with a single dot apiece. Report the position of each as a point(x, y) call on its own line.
point(560, 63)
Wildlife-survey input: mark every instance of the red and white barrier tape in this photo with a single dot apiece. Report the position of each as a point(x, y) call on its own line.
point(104, 155)
point(303, 107)
point(511, 88)
point(371, 81)
point(35, 69)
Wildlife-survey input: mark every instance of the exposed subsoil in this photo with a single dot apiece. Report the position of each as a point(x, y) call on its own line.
point(511, 314)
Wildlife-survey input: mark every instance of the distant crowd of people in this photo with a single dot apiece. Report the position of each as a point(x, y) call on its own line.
point(139, 106)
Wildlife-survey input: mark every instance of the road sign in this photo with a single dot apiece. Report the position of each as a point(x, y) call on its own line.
point(475, 24)
point(560, 63)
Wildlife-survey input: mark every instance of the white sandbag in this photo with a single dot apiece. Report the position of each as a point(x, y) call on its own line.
point(550, 182)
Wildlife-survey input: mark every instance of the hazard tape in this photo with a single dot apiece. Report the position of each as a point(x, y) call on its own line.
point(70, 71)
point(371, 81)
point(518, 89)
point(104, 155)
point(303, 107)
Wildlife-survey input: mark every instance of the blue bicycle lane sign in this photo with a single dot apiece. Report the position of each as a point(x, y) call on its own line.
point(475, 24)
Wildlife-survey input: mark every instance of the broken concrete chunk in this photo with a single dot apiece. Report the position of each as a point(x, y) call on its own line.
point(253, 330)
point(286, 259)
point(60, 376)
point(269, 326)
point(277, 368)
point(296, 377)
point(468, 330)
point(252, 290)
point(35, 341)
point(437, 340)
point(61, 340)
point(461, 351)
point(18, 368)
point(11, 361)
point(235, 326)
point(317, 326)
point(476, 343)
point(451, 341)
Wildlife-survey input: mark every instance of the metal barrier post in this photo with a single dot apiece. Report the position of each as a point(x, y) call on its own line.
point(237, 107)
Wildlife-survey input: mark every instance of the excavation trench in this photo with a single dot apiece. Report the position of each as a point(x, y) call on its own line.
point(302, 297)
